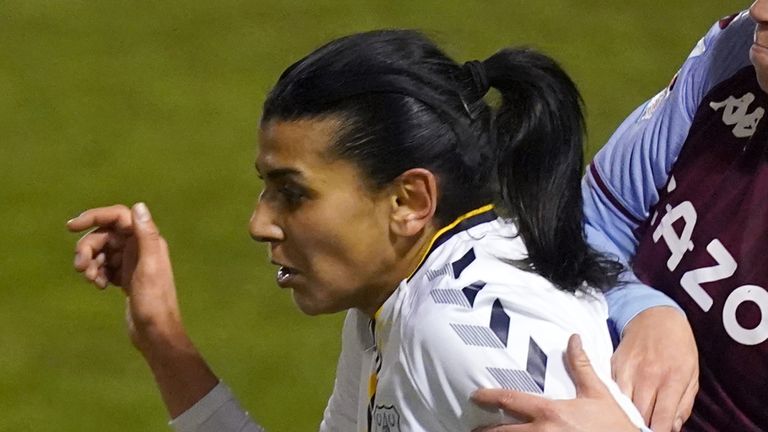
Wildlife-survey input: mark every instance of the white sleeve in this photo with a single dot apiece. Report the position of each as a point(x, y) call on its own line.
point(218, 411)
point(341, 413)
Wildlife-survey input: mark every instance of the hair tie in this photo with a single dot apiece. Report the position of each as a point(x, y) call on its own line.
point(479, 77)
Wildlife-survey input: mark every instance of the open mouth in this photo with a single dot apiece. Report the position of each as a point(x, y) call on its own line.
point(285, 275)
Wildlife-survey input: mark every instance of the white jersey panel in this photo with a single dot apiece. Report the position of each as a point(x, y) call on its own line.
point(468, 319)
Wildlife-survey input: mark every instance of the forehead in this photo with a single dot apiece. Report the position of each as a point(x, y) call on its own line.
point(300, 149)
point(295, 144)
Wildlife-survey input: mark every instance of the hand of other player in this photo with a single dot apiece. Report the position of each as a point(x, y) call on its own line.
point(656, 365)
point(594, 408)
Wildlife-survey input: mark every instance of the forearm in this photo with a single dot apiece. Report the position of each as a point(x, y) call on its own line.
point(193, 395)
point(182, 375)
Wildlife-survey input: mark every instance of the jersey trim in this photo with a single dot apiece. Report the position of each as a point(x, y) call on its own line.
point(607, 193)
point(462, 223)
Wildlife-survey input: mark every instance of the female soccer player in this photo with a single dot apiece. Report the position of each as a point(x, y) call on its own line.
point(452, 232)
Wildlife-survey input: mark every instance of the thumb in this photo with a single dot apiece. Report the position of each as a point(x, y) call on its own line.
point(148, 239)
point(588, 384)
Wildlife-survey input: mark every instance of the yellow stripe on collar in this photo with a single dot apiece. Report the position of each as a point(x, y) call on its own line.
point(436, 237)
point(446, 228)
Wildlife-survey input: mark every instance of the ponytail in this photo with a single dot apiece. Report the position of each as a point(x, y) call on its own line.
point(539, 133)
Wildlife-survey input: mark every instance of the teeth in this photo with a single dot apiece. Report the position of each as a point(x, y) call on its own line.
point(283, 273)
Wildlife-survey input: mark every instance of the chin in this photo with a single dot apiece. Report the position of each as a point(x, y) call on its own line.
point(762, 80)
point(313, 306)
point(759, 59)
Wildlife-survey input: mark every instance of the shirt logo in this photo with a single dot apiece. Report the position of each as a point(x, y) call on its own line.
point(735, 114)
point(676, 229)
point(386, 419)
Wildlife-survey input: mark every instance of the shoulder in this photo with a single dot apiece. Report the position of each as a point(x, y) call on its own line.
point(722, 52)
point(486, 323)
point(487, 336)
point(474, 319)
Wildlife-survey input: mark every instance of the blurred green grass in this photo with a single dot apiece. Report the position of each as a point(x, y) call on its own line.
point(110, 101)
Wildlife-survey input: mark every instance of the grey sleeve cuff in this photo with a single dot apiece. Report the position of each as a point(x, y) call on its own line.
point(218, 411)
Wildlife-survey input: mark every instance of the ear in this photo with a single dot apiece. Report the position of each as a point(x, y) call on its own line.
point(414, 201)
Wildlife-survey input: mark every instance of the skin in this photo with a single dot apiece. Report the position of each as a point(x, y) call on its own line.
point(339, 260)
point(584, 414)
point(659, 374)
point(758, 53)
point(663, 386)
point(126, 249)
point(350, 247)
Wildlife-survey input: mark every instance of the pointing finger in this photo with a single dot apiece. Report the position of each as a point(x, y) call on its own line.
point(117, 216)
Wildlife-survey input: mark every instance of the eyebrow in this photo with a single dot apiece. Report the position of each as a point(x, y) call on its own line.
point(279, 173)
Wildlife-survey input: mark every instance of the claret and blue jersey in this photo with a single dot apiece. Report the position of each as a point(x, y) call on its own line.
point(680, 193)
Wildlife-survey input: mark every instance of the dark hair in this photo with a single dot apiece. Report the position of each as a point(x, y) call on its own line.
point(402, 103)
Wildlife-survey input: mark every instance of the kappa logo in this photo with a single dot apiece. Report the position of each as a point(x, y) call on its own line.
point(386, 419)
point(735, 114)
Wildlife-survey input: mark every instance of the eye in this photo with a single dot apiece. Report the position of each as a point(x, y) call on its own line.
point(293, 195)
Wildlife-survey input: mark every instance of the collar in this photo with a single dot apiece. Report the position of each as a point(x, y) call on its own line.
point(462, 223)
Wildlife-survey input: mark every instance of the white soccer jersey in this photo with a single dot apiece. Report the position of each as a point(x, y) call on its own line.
point(466, 319)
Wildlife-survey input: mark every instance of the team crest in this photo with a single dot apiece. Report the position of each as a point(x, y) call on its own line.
point(386, 419)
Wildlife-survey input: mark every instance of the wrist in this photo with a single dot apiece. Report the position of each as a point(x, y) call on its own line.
point(157, 340)
point(653, 316)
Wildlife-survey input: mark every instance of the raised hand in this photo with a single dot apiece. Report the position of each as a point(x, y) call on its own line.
point(126, 249)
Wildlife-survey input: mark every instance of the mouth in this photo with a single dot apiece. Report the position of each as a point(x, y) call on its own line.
point(759, 44)
point(285, 276)
point(759, 37)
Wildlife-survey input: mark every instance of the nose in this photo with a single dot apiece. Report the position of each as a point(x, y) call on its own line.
point(759, 11)
point(263, 225)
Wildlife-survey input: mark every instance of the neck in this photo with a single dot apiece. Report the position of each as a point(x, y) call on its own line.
point(409, 254)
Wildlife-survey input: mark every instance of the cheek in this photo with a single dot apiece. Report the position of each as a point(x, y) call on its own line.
point(341, 232)
point(758, 56)
point(344, 257)
point(761, 71)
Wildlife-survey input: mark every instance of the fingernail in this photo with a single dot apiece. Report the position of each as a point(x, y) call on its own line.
point(141, 212)
point(71, 220)
point(78, 259)
point(577, 341)
point(678, 424)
